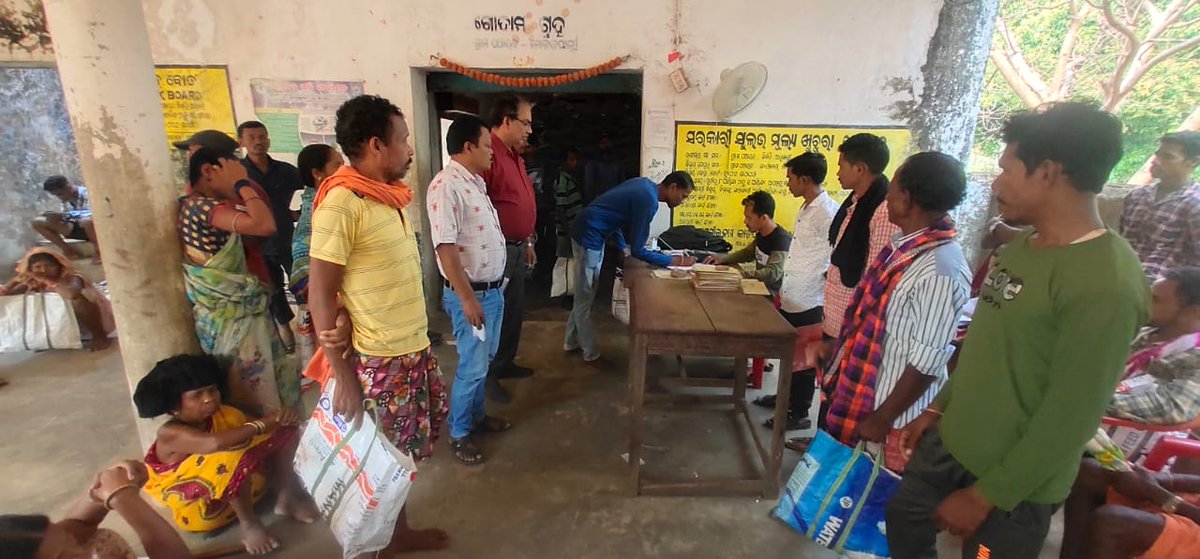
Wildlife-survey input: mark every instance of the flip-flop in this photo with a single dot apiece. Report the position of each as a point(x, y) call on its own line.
point(491, 424)
point(466, 452)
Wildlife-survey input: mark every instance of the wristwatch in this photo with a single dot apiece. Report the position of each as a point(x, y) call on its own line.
point(1172, 504)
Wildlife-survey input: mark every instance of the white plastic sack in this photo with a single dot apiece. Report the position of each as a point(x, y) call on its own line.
point(357, 477)
point(37, 321)
point(563, 282)
point(620, 300)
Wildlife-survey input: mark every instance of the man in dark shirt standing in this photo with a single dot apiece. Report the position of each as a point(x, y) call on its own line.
point(281, 181)
point(511, 192)
point(768, 250)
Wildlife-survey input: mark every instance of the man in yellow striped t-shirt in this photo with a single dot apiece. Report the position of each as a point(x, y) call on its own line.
point(364, 252)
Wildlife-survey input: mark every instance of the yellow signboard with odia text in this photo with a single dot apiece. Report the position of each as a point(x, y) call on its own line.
point(195, 98)
point(731, 161)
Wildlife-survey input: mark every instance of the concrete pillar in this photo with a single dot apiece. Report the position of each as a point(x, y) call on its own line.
point(945, 119)
point(103, 54)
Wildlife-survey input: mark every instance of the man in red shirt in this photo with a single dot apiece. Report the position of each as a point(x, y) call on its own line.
point(511, 192)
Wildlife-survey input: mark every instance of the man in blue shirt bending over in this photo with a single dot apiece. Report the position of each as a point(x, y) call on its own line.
point(623, 213)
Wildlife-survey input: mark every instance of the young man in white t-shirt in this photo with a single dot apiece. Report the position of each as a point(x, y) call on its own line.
point(802, 292)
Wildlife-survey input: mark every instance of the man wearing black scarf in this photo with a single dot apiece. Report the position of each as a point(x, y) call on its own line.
point(859, 230)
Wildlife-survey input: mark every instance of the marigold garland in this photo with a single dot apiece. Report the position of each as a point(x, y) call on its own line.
point(530, 82)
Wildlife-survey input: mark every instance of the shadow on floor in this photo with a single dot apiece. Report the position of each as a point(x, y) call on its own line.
point(555, 486)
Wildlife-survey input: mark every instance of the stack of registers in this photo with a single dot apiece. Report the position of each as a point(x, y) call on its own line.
point(716, 278)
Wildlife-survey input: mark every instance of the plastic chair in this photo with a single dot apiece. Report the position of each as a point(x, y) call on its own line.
point(1167, 447)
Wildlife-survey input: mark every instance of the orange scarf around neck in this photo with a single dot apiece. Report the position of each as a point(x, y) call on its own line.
point(395, 195)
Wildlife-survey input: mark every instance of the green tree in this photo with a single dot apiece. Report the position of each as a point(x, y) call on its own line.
point(1138, 58)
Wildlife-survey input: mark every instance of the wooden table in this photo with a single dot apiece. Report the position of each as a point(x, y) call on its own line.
point(669, 317)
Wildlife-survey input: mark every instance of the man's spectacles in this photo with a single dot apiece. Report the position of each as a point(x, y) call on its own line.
point(527, 123)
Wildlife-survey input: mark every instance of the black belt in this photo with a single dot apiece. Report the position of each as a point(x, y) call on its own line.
point(482, 286)
point(514, 243)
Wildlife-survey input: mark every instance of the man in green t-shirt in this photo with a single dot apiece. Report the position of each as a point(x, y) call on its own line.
point(997, 451)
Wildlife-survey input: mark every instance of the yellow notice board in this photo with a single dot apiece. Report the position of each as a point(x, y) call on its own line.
point(728, 162)
point(195, 98)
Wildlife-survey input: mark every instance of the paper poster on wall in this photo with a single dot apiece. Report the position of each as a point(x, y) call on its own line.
point(729, 162)
point(660, 127)
point(300, 112)
point(195, 98)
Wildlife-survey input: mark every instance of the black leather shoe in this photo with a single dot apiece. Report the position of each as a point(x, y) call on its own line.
point(515, 372)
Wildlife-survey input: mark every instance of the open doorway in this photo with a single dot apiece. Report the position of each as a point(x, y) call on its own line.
point(599, 120)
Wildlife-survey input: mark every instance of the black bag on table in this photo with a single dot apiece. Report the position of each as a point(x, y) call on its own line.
point(687, 237)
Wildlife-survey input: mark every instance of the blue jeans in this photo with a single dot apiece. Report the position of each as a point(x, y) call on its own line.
point(474, 356)
point(580, 332)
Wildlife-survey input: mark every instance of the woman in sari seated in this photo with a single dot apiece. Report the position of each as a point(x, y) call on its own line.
point(209, 462)
point(229, 302)
point(44, 271)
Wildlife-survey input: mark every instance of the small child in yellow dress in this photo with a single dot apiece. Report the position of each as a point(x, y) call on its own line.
point(207, 464)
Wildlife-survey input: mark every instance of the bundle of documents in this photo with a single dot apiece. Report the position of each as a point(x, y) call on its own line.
point(716, 278)
point(755, 287)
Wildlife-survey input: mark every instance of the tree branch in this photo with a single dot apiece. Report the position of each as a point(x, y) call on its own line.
point(1135, 62)
point(1066, 53)
point(1023, 79)
point(1113, 22)
point(1129, 52)
point(1131, 80)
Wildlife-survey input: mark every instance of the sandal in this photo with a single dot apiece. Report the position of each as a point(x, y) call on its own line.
point(799, 444)
point(491, 424)
point(466, 452)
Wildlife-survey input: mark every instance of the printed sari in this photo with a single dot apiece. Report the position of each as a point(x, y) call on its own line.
point(198, 488)
point(232, 322)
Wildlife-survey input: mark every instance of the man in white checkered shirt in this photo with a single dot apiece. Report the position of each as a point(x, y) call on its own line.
point(471, 256)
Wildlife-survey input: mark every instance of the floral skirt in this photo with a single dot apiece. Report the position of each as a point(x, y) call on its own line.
point(411, 397)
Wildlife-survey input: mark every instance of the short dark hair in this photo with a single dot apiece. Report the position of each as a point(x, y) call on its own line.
point(311, 158)
point(868, 149)
point(761, 203)
point(22, 534)
point(362, 118)
point(57, 182)
point(1187, 140)
point(570, 150)
point(464, 129)
point(1080, 137)
point(1187, 283)
point(249, 124)
point(206, 156)
point(681, 179)
point(809, 164)
point(935, 181)
point(505, 106)
point(159, 392)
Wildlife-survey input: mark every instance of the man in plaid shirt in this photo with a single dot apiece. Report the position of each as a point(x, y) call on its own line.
point(1162, 220)
point(1162, 382)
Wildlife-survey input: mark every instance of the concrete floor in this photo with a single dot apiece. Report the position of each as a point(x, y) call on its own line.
point(554, 486)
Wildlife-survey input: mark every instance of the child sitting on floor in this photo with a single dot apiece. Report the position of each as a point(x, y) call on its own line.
point(207, 463)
